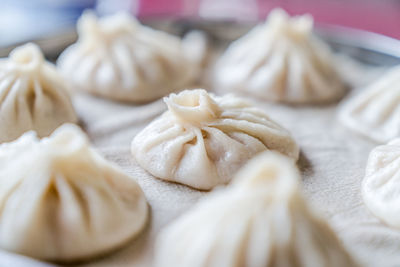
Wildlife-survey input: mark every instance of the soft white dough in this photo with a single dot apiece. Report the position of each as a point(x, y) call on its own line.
point(118, 58)
point(261, 219)
point(375, 111)
point(282, 61)
point(381, 185)
point(201, 140)
point(61, 201)
point(33, 96)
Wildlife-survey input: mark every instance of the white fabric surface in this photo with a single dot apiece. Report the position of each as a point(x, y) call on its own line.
point(332, 164)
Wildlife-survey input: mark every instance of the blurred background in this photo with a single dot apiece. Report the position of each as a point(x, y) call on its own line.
point(22, 20)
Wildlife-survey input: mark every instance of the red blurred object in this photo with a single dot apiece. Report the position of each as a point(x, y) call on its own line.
point(380, 16)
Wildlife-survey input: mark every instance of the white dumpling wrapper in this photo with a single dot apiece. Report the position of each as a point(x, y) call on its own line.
point(61, 201)
point(201, 140)
point(282, 61)
point(375, 111)
point(261, 219)
point(381, 185)
point(118, 58)
point(33, 96)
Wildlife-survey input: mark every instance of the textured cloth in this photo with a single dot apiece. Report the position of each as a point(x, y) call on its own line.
point(332, 164)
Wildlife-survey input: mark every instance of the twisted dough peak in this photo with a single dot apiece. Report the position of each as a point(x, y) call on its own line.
point(27, 57)
point(297, 27)
point(193, 106)
point(90, 26)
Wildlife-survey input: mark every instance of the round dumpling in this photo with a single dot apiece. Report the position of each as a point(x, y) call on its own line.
point(281, 61)
point(261, 219)
point(61, 201)
point(375, 112)
point(33, 95)
point(118, 58)
point(201, 140)
point(381, 185)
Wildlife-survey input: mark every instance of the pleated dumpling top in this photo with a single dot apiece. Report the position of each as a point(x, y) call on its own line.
point(381, 185)
point(33, 96)
point(281, 61)
point(61, 201)
point(260, 220)
point(375, 111)
point(202, 139)
point(118, 58)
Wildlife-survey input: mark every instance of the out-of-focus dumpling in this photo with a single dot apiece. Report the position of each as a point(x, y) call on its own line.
point(261, 219)
point(118, 58)
point(33, 95)
point(283, 61)
point(375, 111)
point(381, 185)
point(61, 201)
point(201, 140)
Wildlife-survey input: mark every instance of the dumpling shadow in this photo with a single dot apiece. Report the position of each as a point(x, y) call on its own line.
point(304, 165)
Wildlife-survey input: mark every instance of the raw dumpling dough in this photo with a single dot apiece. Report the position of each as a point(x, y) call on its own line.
point(381, 185)
point(375, 112)
point(33, 95)
point(201, 140)
point(116, 57)
point(61, 201)
point(261, 219)
point(281, 61)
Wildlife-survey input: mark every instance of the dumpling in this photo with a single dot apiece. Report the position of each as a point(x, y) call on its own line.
point(118, 58)
point(381, 185)
point(260, 220)
point(375, 111)
point(61, 201)
point(201, 140)
point(283, 61)
point(33, 95)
